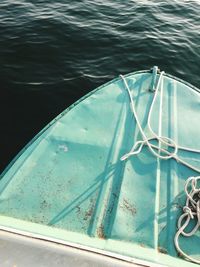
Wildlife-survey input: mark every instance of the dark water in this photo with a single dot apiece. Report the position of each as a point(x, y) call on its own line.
point(53, 52)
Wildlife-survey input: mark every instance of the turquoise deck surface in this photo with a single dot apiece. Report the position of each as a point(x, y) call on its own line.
point(70, 184)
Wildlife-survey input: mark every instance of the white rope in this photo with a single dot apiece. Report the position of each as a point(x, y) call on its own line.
point(191, 211)
point(192, 207)
point(156, 150)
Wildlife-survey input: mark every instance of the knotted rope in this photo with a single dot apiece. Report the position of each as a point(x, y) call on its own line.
point(191, 211)
point(192, 207)
point(162, 141)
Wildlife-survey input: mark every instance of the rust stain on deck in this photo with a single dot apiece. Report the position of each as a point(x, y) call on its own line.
point(126, 205)
point(162, 250)
point(100, 232)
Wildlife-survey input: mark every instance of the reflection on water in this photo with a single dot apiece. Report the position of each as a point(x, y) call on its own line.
point(53, 53)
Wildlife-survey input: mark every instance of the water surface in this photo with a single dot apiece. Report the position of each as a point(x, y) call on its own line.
point(51, 54)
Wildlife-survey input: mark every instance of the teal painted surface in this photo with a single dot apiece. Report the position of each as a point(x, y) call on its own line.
point(70, 177)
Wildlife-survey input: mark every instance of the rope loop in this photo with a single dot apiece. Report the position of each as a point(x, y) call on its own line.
point(191, 211)
point(163, 147)
point(188, 211)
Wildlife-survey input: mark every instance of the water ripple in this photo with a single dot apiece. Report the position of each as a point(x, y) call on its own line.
point(53, 52)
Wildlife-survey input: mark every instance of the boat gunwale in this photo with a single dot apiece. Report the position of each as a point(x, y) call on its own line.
point(65, 243)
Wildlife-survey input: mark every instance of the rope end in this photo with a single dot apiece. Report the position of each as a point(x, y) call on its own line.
point(124, 157)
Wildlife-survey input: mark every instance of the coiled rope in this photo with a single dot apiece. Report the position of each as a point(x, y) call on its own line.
point(191, 211)
point(166, 148)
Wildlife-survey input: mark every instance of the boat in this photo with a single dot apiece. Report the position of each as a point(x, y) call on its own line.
point(112, 181)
